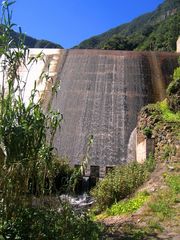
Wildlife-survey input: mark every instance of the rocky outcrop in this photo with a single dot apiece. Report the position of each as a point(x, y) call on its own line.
point(164, 134)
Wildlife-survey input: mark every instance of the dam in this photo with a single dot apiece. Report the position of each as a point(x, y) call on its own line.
point(100, 94)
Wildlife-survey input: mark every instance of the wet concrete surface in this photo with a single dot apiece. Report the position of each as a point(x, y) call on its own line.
point(101, 94)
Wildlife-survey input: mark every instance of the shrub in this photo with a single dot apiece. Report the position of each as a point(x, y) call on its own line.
point(121, 182)
point(150, 163)
point(45, 224)
point(167, 114)
point(147, 132)
point(160, 111)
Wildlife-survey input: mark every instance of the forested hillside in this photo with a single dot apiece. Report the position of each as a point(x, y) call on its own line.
point(31, 42)
point(157, 30)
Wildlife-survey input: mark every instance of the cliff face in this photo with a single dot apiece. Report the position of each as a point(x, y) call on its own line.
point(101, 94)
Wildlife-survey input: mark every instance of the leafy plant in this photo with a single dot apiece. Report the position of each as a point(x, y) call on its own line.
point(28, 169)
point(147, 131)
point(121, 182)
point(26, 132)
point(128, 205)
point(46, 224)
point(162, 111)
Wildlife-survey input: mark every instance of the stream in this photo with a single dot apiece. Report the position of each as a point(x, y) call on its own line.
point(80, 202)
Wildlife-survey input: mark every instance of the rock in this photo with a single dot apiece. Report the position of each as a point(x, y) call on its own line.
point(169, 140)
point(171, 168)
point(176, 237)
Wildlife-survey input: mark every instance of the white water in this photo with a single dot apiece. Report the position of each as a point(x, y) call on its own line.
point(80, 201)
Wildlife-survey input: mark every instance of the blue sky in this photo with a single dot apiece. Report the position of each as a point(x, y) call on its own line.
point(71, 21)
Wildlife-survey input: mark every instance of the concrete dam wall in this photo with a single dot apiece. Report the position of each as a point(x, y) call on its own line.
point(101, 94)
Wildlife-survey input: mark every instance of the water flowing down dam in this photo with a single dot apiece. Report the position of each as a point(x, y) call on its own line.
point(101, 93)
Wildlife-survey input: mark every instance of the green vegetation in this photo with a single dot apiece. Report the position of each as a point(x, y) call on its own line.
point(29, 161)
point(121, 182)
point(163, 36)
point(117, 43)
point(156, 31)
point(29, 170)
point(147, 132)
point(160, 215)
point(128, 205)
point(167, 114)
point(167, 110)
point(173, 181)
point(162, 203)
point(46, 224)
point(30, 42)
point(173, 91)
point(160, 112)
point(168, 151)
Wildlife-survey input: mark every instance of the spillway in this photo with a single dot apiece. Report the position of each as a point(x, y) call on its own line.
point(101, 94)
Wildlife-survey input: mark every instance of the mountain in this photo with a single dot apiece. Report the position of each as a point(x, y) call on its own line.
point(31, 42)
point(156, 31)
point(35, 43)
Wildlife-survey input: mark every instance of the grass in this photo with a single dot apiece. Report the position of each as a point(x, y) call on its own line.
point(128, 205)
point(161, 208)
point(130, 231)
point(173, 181)
point(125, 206)
point(155, 225)
point(163, 202)
point(168, 151)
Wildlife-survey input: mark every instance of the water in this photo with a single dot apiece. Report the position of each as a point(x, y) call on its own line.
point(101, 94)
point(83, 201)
